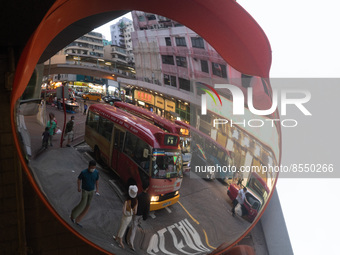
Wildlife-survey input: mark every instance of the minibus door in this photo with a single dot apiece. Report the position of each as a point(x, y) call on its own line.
point(118, 142)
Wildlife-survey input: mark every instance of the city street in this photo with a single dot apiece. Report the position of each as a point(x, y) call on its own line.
point(197, 224)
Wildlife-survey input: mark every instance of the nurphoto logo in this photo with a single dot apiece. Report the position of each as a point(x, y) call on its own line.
point(239, 102)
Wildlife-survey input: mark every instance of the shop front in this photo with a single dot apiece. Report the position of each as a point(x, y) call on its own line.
point(170, 110)
point(159, 106)
point(183, 111)
point(144, 99)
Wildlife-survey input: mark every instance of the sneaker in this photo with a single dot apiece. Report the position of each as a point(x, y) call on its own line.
point(68, 145)
point(73, 220)
point(79, 225)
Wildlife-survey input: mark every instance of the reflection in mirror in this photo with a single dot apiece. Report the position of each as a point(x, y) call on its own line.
point(144, 106)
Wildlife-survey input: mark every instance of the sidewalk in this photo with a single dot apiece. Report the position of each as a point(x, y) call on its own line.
point(36, 129)
point(56, 171)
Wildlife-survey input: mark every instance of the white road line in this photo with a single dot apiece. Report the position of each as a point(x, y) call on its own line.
point(152, 215)
point(185, 239)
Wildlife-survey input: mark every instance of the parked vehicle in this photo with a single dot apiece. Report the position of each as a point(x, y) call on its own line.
point(111, 99)
point(257, 193)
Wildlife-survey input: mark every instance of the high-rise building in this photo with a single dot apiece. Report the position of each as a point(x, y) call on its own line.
point(90, 44)
point(121, 36)
point(174, 57)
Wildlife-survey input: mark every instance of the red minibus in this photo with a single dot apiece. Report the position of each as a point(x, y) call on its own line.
point(164, 124)
point(137, 151)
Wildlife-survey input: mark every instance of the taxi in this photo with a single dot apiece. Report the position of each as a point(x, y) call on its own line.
point(92, 96)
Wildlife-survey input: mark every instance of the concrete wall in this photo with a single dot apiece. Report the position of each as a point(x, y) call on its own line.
point(274, 228)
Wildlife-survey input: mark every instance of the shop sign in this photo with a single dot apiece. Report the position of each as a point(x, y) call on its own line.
point(159, 102)
point(79, 83)
point(145, 97)
point(170, 106)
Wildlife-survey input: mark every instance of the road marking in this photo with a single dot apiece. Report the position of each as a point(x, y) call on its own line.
point(196, 221)
point(168, 209)
point(152, 214)
point(207, 240)
point(183, 234)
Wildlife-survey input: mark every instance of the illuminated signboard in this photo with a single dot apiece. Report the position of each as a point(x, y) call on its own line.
point(184, 131)
point(145, 97)
point(159, 102)
point(170, 106)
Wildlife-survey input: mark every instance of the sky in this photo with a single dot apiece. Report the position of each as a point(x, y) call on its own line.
point(305, 44)
point(105, 29)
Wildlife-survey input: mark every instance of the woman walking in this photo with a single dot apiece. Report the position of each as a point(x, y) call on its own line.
point(129, 209)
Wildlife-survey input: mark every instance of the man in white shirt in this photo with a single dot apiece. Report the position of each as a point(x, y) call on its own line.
point(239, 199)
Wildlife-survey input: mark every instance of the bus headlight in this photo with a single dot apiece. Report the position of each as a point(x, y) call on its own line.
point(154, 198)
point(176, 193)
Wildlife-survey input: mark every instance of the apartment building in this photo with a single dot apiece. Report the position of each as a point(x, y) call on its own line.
point(121, 36)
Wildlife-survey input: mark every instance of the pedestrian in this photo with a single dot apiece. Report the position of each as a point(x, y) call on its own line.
point(142, 213)
point(85, 107)
point(87, 184)
point(69, 131)
point(45, 137)
point(59, 104)
point(241, 195)
point(129, 209)
point(51, 125)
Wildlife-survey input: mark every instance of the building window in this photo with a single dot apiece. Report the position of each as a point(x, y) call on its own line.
point(168, 59)
point(184, 84)
point(219, 70)
point(170, 80)
point(181, 61)
point(151, 17)
point(141, 18)
point(204, 66)
point(197, 42)
point(180, 41)
point(167, 41)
